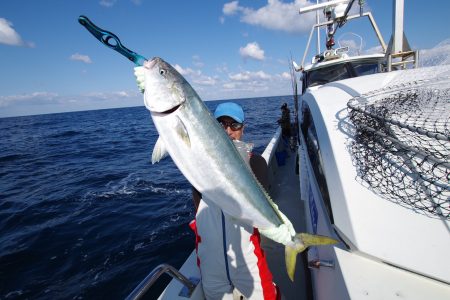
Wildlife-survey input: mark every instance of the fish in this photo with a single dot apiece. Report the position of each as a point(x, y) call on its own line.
point(208, 159)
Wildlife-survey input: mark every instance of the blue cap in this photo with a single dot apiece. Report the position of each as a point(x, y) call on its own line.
point(230, 109)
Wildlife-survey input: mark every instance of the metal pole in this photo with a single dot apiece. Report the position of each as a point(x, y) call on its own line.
point(148, 281)
point(397, 30)
point(318, 30)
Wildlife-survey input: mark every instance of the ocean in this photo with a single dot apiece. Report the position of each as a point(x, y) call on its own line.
point(83, 212)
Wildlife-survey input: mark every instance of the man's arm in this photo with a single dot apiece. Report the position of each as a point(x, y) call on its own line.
point(196, 197)
point(260, 169)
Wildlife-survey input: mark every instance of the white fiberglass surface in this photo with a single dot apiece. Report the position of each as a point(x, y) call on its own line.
point(374, 225)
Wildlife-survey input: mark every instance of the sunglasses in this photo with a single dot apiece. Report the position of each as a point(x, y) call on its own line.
point(233, 125)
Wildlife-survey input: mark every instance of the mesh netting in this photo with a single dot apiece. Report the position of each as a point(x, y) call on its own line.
point(402, 144)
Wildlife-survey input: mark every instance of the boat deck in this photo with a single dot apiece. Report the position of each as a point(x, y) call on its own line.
point(285, 191)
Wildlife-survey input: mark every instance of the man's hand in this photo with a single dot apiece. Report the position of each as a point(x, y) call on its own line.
point(283, 234)
point(288, 223)
point(139, 72)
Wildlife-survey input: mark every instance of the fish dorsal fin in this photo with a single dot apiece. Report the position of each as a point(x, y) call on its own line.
point(159, 151)
point(182, 133)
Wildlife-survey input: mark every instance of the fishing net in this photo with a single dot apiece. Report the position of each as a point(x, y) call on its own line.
point(402, 144)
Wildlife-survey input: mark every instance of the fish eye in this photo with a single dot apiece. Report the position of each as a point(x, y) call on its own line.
point(162, 72)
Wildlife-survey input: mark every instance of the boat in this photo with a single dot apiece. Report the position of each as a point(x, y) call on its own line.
point(368, 165)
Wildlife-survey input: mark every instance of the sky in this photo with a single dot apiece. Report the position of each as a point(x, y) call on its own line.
point(226, 49)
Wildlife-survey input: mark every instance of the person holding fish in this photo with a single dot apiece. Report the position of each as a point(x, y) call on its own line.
point(229, 253)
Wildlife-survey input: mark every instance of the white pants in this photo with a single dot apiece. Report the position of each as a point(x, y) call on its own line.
point(230, 257)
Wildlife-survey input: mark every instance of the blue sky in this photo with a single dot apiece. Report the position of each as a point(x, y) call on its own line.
point(225, 49)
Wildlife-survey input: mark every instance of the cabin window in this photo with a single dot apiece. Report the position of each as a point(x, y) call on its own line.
point(315, 156)
point(340, 71)
point(327, 74)
point(362, 69)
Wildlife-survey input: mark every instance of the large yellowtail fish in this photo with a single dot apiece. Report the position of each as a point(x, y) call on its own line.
point(209, 160)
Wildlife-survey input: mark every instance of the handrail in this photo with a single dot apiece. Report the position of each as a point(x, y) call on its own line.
point(269, 152)
point(403, 55)
point(151, 278)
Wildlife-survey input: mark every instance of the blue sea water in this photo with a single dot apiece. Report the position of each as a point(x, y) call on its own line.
point(83, 212)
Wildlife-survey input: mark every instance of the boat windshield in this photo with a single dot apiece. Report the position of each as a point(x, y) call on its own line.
point(339, 71)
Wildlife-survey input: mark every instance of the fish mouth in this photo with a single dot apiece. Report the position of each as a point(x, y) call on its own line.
point(169, 111)
point(164, 111)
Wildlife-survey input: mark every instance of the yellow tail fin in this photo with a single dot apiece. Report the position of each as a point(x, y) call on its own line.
point(303, 241)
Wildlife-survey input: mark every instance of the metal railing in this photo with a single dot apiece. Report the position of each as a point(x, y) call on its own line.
point(144, 286)
point(406, 57)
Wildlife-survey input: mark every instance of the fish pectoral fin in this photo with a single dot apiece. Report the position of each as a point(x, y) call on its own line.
point(159, 151)
point(182, 132)
point(301, 242)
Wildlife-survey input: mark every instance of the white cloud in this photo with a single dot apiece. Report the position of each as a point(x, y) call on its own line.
point(223, 68)
point(49, 102)
point(230, 8)
point(125, 94)
point(247, 84)
point(247, 88)
point(107, 3)
point(38, 98)
point(229, 85)
point(195, 76)
point(110, 97)
point(185, 71)
point(205, 80)
point(9, 36)
point(286, 75)
point(79, 57)
point(247, 76)
point(374, 50)
point(196, 61)
point(436, 56)
point(252, 50)
point(31, 98)
point(243, 84)
point(276, 15)
point(111, 3)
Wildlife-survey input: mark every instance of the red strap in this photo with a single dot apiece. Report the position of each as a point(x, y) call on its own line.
point(269, 289)
point(198, 239)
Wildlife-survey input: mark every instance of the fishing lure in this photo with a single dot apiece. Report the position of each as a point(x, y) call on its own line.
point(111, 40)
